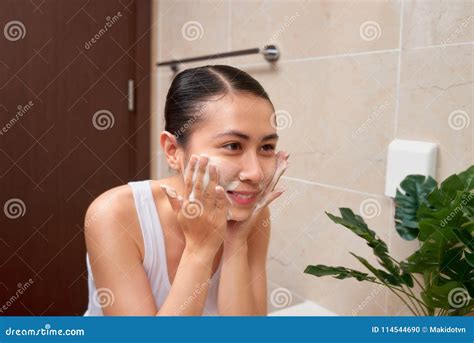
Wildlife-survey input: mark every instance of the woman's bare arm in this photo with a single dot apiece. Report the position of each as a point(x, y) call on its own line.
point(235, 297)
point(243, 286)
point(117, 265)
point(258, 244)
point(188, 293)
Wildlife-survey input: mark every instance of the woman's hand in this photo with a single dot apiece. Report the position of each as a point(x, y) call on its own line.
point(238, 231)
point(202, 211)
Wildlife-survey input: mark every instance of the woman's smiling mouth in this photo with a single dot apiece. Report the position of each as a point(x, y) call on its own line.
point(243, 198)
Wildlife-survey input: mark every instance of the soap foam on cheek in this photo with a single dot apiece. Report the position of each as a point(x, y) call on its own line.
point(225, 171)
point(230, 170)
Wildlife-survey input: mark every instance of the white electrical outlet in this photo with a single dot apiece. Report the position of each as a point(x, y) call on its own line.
point(408, 157)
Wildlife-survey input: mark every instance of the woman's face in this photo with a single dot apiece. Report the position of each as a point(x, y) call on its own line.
point(237, 134)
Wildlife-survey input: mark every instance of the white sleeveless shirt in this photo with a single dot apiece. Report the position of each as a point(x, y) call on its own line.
point(154, 261)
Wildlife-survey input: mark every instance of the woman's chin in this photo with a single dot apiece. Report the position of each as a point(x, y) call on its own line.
point(239, 215)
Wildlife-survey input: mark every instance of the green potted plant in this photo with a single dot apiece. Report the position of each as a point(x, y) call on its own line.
point(442, 220)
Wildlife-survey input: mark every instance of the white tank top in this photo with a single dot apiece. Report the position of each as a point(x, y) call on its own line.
point(154, 261)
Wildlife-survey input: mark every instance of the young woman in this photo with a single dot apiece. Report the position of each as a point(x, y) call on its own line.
point(195, 243)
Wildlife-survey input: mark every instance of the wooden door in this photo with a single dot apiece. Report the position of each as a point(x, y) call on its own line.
point(69, 130)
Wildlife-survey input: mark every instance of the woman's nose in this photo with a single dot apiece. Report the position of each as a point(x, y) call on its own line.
point(251, 169)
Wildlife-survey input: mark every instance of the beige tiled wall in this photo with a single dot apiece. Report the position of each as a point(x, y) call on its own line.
point(353, 75)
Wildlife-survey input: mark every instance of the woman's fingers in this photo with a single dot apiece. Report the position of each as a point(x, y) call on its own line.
point(202, 188)
point(270, 193)
point(173, 197)
point(222, 202)
point(209, 193)
point(188, 176)
point(281, 166)
point(268, 199)
point(198, 178)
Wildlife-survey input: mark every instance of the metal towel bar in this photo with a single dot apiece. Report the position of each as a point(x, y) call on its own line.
point(270, 53)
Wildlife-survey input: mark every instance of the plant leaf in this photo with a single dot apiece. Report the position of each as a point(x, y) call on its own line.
point(380, 274)
point(465, 237)
point(338, 272)
point(416, 188)
point(469, 258)
point(467, 177)
point(357, 225)
point(450, 295)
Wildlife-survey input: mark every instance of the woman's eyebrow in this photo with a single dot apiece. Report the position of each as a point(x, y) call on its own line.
point(244, 136)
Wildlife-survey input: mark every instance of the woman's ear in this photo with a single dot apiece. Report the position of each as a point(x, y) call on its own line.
point(172, 151)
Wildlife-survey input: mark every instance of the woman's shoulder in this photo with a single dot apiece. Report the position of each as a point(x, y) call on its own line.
point(116, 201)
point(110, 216)
point(112, 213)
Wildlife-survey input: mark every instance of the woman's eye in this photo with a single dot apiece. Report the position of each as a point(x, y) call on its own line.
point(231, 146)
point(268, 147)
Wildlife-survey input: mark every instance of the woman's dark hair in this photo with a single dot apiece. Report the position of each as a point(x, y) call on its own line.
point(192, 87)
